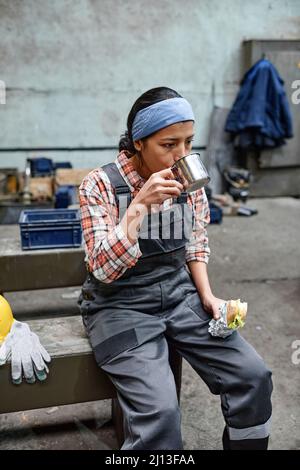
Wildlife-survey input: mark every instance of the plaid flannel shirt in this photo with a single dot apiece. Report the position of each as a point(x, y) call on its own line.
point(108, 251)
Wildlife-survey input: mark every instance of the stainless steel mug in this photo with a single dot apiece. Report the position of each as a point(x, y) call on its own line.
point(190, 172)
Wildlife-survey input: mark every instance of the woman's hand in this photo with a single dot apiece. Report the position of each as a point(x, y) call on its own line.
point(211, 304)
point(159, 187)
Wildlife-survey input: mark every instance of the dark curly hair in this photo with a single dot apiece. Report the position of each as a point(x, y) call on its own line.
point(146, 99)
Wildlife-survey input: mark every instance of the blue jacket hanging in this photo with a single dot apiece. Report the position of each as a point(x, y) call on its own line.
point(260, 116)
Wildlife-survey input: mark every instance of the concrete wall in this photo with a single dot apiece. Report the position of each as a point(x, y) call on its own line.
point(73, 68)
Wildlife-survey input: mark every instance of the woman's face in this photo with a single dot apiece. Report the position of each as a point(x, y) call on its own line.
point(166, 146)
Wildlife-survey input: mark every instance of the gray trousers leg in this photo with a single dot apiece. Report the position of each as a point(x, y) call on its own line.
point(147, 392)
point(136, 358)
point(147, 395)
point(230, 367)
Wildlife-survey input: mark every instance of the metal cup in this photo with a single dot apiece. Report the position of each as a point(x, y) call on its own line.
point(190, 172)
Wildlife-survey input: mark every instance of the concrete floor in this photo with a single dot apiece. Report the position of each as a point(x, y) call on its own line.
point(253, 258)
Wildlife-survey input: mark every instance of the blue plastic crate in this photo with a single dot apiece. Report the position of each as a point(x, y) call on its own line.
point(41, 166)
point(216, 214)
point(58, 165)
point(50, 228)
point(65, 196)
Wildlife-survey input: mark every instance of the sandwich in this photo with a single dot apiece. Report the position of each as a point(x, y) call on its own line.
point(236, 312)
point(233, 314)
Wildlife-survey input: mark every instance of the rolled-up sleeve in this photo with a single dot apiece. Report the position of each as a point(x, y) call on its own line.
point(109, 253)
point(197, 249)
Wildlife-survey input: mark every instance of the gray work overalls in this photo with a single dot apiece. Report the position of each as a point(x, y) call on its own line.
point(129, 320)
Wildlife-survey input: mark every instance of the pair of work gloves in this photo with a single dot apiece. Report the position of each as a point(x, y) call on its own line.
point(28, 357)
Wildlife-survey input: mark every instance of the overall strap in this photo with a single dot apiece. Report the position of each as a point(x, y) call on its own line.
point(116, 178)
point(120, 186)
point(182, 198)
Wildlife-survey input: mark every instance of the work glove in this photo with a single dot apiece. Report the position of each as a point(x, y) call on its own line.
point(28, 357)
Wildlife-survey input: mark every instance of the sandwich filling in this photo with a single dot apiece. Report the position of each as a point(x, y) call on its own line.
point(237, 312)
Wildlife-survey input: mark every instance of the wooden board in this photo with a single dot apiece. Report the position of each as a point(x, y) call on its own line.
point(74, 376)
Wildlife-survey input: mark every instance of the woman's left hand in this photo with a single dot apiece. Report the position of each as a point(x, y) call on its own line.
point(211, 305)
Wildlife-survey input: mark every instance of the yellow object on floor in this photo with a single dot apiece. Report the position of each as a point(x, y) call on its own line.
point(6, 318)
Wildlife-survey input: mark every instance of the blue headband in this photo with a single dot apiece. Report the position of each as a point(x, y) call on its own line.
point(160, 115)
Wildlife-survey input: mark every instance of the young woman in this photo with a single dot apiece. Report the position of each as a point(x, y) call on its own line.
point(143, 290)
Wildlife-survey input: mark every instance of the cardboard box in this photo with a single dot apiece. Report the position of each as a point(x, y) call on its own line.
point(41, 188)
point(70, 176)
point(8, 180)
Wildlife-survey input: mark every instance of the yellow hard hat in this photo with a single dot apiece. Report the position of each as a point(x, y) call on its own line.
point(6, 318)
